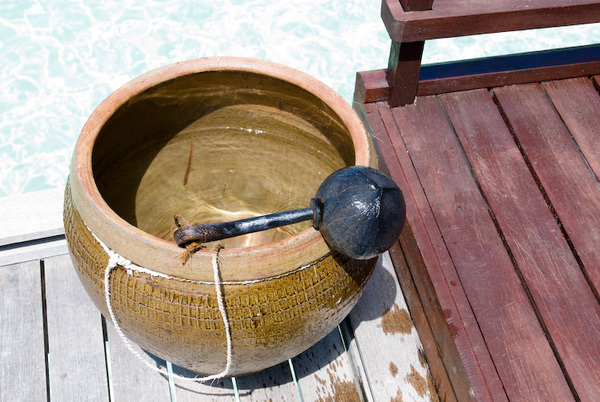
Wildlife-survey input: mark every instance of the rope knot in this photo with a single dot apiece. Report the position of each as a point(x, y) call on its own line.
point(190, 248)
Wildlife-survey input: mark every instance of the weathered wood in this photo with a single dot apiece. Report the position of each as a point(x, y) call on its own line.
point(459, 340)
point(76, 358)
point(386, 339)
point(441, 381)
point(578, 103)
point(130, 378)
point(550, 272)
point(31, 216)
point(485, 269)
point(325, 373)
point(564, 175)
point(33, 250)
point(22, 352)
point(580, 91)
point(31, 226)
point(360, 375)
point(276, 383)
point(192, 391)
point(450, 18)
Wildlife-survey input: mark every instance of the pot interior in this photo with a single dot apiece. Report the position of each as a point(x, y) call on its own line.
point(218, 146)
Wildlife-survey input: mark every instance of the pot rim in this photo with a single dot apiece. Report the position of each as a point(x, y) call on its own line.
point(145, 249)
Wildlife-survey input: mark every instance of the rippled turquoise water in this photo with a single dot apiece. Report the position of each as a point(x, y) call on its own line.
point(60, 59)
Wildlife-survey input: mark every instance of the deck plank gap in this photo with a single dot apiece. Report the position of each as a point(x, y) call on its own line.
point(107, 359)
point(571, 136)
point(45, 326)
point(295, 379)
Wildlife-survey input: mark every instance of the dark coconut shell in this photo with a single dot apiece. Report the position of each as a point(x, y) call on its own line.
point(362, 211)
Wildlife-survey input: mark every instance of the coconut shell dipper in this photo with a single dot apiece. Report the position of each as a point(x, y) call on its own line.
point(359, 211)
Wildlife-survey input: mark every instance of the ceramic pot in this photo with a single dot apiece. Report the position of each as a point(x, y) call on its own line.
point(212, 140)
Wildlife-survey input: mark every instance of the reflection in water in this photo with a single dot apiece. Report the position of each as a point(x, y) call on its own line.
point(215, 170)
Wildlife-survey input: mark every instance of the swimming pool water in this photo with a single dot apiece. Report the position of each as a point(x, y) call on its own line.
point(60, 59)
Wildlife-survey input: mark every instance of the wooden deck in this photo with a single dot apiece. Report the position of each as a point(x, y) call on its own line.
point(501, 259)
point(55, 345)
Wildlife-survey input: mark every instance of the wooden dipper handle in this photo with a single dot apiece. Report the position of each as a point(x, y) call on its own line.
point(223, 230)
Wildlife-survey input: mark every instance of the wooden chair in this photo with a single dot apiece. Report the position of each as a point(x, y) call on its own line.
point(499, 160)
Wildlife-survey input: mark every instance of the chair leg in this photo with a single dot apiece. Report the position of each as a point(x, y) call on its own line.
point(403, 72)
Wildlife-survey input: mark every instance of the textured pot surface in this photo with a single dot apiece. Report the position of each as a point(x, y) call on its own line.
point(215, 139)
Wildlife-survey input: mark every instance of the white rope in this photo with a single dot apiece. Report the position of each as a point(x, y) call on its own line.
point(115, 260)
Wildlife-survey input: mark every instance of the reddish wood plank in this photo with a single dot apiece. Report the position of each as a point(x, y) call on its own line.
point(560, 291)
point(450, 18)
point(578, 103)
point(453, 324)
point(372, 86)
point(431, 300)
point(571, 187)
point(273, 383)
point(501, 306)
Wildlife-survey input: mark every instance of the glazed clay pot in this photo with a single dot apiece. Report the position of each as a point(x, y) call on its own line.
point(213, 140)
